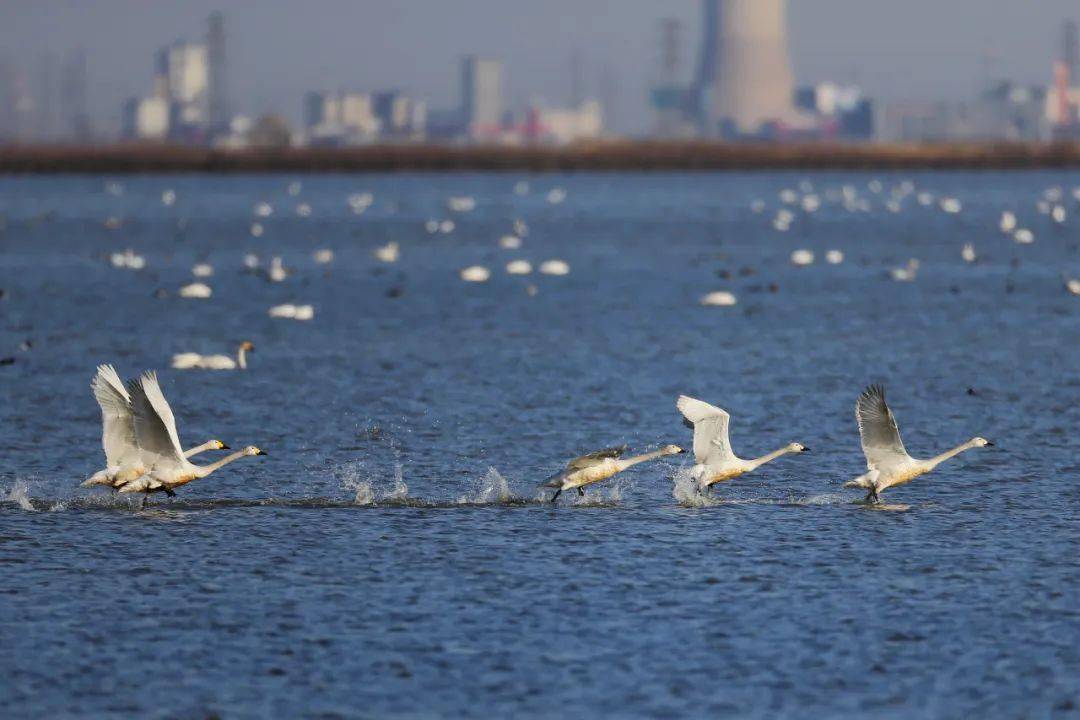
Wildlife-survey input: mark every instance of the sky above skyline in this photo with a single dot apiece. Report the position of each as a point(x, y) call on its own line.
point(918, 49)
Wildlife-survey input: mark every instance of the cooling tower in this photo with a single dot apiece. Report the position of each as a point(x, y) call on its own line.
point(745, 74)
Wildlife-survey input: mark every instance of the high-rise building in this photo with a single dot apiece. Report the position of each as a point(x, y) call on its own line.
point(76, 120)
point(481, 97)
point(218, 95)
point(45, 129)
point(744, 79)
point(7, 100)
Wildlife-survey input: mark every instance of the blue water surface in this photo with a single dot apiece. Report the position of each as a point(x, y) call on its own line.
point(390, 557)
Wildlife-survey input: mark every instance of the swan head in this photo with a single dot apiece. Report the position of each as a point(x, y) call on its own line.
point(672, 450)
point(247, 346)
point(981, 442)
point(218, 445)
point(252, 450)
point(798, 448)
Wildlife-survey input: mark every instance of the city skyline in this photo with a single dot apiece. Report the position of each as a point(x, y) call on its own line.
point(921, 51)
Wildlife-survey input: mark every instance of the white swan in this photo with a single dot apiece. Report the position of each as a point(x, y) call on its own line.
point(123, 460)
point(907, 273)
point(190, 360)
point(196, 290)
point(155, 433)
point(600, 465)
point(719, 298)
point(716, 462)
point(292, 312)
point(388, 253)
point(888, 462)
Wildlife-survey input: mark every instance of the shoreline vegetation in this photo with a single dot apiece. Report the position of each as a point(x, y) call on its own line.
point(632, 156)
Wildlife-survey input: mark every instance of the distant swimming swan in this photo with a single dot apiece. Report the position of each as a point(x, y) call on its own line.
point(123, 461)
point(155, 433)
point(600, 465)
point(190, 360)
point(886, 459)
point(716, 462)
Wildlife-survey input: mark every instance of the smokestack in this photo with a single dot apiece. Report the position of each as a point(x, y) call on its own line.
point(745, 72)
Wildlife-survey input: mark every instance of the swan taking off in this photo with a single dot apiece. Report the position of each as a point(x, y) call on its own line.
point(123, 460)
point(155, 433)
point(716, 462)
point(189, 361)
point(888, 462)
point(600, 465)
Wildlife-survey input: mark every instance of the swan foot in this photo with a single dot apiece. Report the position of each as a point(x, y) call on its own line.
point(581, 492)
point(556, 496)
point(872, 498)
point(168, 491)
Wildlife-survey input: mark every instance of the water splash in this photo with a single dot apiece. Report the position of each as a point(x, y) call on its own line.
point(20, 495)
point(492, 488)
point(686, 493)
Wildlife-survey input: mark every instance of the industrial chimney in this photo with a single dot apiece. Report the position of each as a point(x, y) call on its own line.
point(745, 76)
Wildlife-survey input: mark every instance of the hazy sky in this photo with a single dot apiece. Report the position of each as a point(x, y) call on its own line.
point(911, 49)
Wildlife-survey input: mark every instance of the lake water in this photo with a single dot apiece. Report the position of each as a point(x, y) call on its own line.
point(390, 558)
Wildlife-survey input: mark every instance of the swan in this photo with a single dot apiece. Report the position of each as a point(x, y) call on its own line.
point(190, 360)
point(555, 267)
point(155, 433)
point(196, 290)
point(293, 312)
point(888, 462)
point(906, 274)
point(1072, 284)
point(475, 273)
point(1008, 222)
point(277, 271)
point(323, 256)
point(168, 197)
point(510, 242)
point(834, 257)
point(202, 270)
point(123, 461)
point(719, 298)
point(388, 253)
point(519, 267)
point(600, 465)
point(461, 204)
point(1024, 236)
point(968, 253)
point(802, 258)
point(716, 462)
point(256, 229)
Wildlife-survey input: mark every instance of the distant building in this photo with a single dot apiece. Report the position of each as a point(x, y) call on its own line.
point(340, 118)
point(1008, 111)
point(481, 97)
point(841, 112)
point(924, 122)
point(401, 117)
point(76, 119)
point(218, 111)
point(147, 119)
point(560, 126)
point(1063, 99)
point(744, 82)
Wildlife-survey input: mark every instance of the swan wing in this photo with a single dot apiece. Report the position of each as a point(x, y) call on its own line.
point(877, 427)
point(155, 427)
point(710, 424)
point(117, 431)
point(595, 458)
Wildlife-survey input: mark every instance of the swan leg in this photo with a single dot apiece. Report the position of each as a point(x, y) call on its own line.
point(169, 491)
point(556, 496)
point(581, 492)
point(872, 497)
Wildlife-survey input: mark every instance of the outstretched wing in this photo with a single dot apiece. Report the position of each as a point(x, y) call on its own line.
point(710, 423)
point(117, 433)
point(877, 427)
point(595, 458)
point(155, 427)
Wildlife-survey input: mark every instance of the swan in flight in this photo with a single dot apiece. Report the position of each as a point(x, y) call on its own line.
point(888, 462)
point(716, 462)
point(156, 436)
point(123, 461)
point(190, 360)
point(600, 465)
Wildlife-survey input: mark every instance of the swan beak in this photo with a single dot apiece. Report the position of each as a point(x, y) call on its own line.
point(805, 449)
point(989, 444)
point(262, 452)
point(225, 447)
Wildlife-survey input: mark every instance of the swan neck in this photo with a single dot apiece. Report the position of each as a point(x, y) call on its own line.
point(769, 458)
point(241, 358)
point(935, 461)
point(636, 460)
point(199, 449)
point(204, 470)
